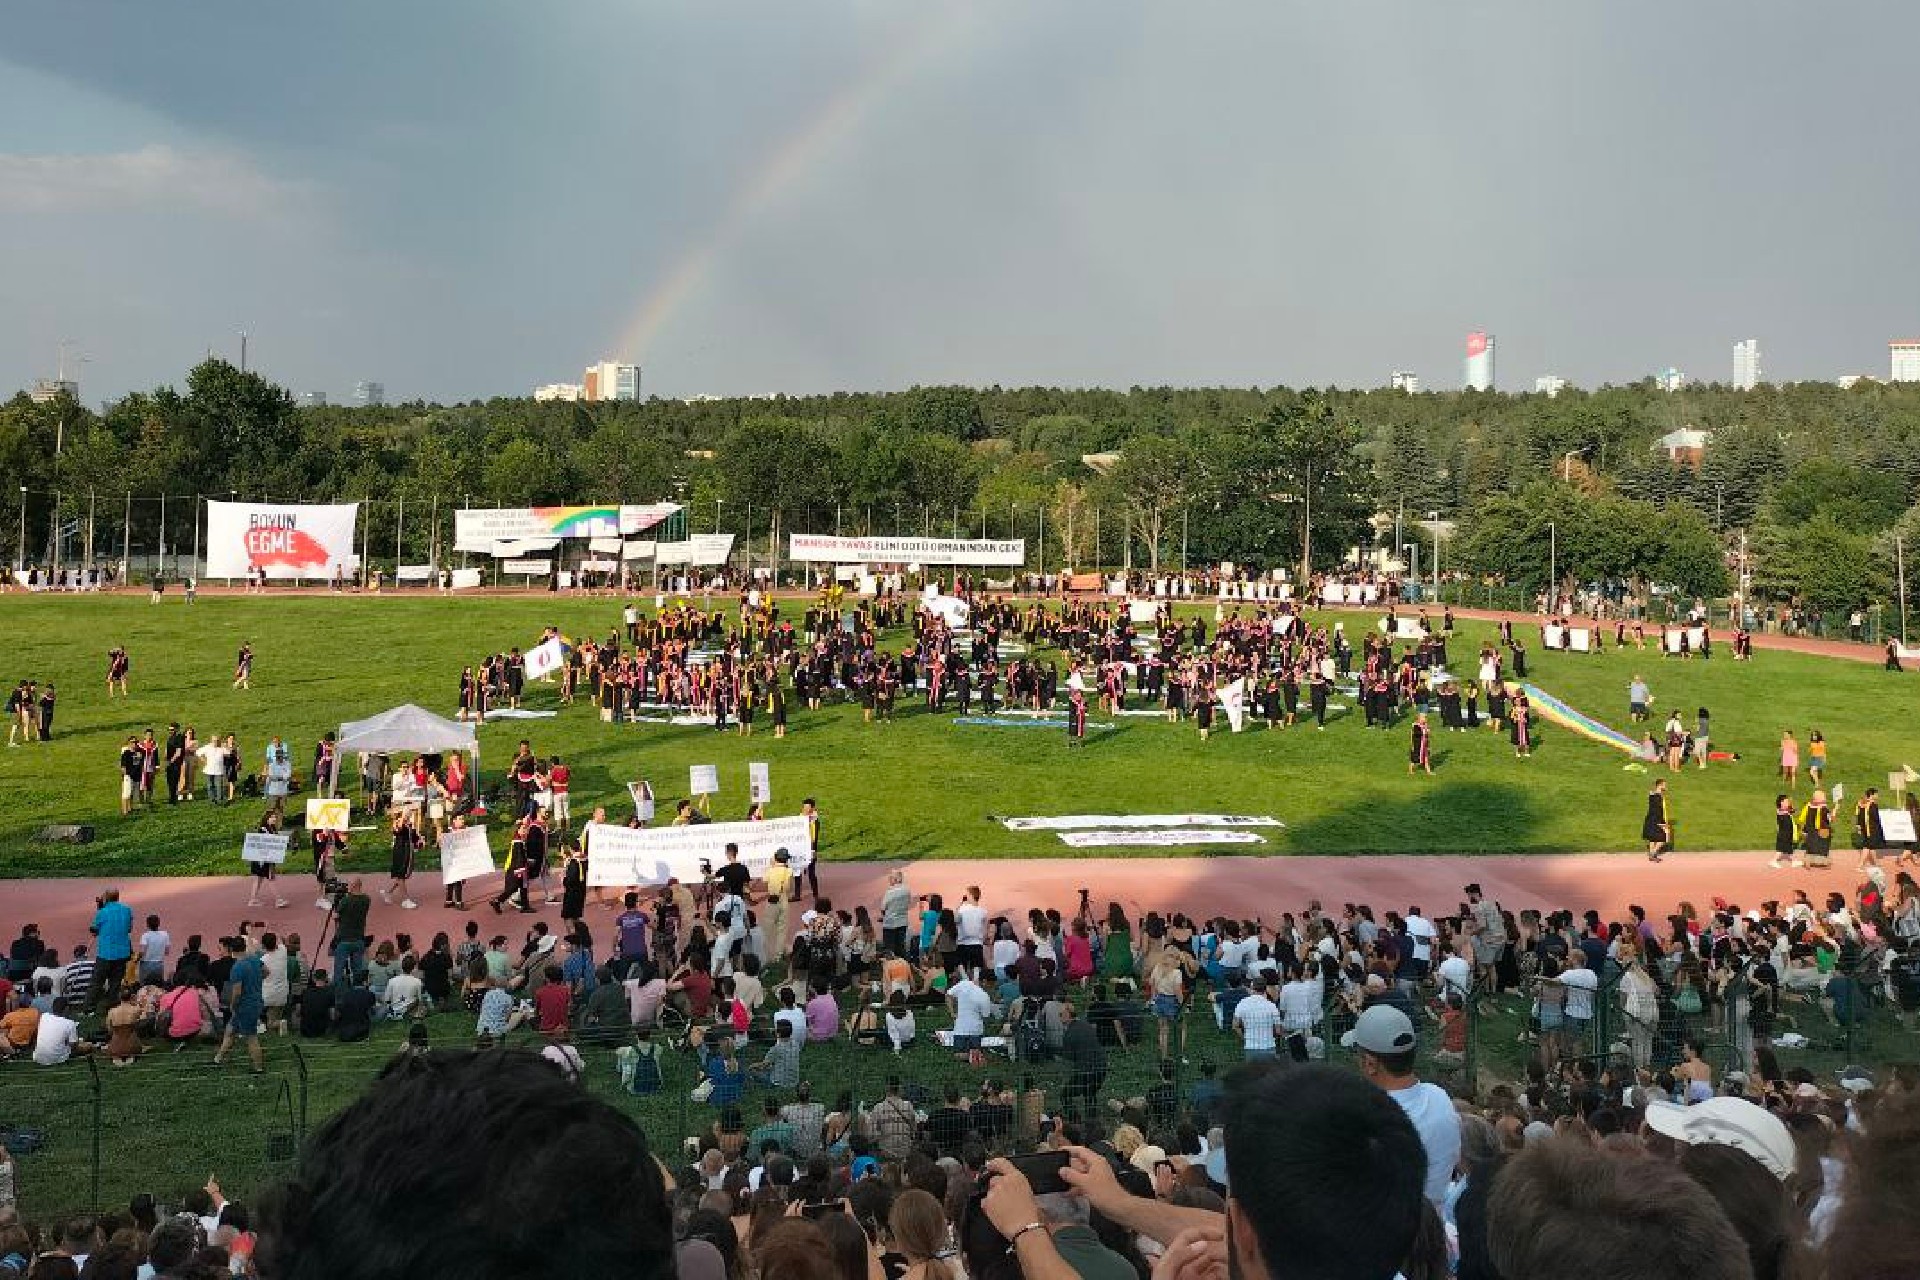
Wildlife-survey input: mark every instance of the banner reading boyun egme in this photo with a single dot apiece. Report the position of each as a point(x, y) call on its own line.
point(287, 539)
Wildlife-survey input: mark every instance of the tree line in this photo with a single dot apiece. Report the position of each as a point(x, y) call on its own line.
point(1815, 482)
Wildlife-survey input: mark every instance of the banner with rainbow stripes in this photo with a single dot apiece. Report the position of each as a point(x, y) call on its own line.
point(478, 529)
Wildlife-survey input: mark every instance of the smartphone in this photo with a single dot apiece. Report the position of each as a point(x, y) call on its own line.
point(819, 1208)
point(1042, 1171)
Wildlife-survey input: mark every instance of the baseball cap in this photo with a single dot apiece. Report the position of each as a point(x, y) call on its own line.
point(1381, 1029)
point(1728, 1122)
point(781, 855)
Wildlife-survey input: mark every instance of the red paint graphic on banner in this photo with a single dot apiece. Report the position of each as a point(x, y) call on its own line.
point(289, 547)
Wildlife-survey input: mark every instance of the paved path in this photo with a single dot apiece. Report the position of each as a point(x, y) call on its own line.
point(1200, 886)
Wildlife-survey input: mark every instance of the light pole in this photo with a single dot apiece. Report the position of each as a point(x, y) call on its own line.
point(20, 557)
point(1553, 561)
point(1566, 462)
point(716, 514)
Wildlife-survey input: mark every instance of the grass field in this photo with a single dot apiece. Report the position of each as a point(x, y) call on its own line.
point(919, 787)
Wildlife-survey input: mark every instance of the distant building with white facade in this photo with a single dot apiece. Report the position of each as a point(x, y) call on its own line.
point(1551, 384)
point(1747, 373)
point(47, 390)
point(1405, 380)
point(559, 391)
point(609, 380)
point(369, 394)
point(1903, 360)
point(1848, 381)
point(1479, 370)
point(1669, 379)
point(313, 399)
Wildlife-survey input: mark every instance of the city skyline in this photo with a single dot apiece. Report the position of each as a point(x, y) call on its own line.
point(866, 197)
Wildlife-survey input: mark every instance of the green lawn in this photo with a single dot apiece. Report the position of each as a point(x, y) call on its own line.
point(919, 787)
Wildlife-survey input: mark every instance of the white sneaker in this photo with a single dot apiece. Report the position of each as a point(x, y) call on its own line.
point(409, 905)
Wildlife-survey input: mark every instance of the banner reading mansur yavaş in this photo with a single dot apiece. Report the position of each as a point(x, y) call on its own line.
point(287, 539)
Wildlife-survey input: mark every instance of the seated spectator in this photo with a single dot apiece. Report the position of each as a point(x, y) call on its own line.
point(353, 1010)
point(823, 1017)
point(426, 1216)
point(780, 1069)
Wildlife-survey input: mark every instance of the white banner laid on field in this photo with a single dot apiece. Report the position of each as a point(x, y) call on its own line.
point(287, 539)
point(622, 856)
point(971, 551)
point(1096, 839)
point(1067, 822)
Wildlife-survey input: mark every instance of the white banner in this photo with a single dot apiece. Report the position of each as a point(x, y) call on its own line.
point(465, 855)
point(1142, 611)
point(529, 567)
point(1897, 826)
point(759, 786)
point(1092, 839)
point(706, 549)
point(1405, 629)
point(637, 550)
point(329, 815)
point(605, 546)
point(951, 609)
point(1233, 700)
point(522, 547)
point(478, 529)
point(703, 779)
point(1067, 822)
point(981, 551)
point(546, 658)
point(287, 539)
point(414, 573)
point(262, 846)
point(621, 856)
point(466, 579)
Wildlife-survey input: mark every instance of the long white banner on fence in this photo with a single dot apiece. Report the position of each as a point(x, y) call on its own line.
point(974, 551)
point(1095, 839)
point(477, 529)
point(621, 856)
point(1067, 822)
point(700, 549)
point(287, 539)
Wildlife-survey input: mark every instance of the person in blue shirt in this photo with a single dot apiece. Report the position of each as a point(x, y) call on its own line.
point(245, 1003)
point(113, 926)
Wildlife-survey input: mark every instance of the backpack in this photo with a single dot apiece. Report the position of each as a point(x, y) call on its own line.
point(639, 1067)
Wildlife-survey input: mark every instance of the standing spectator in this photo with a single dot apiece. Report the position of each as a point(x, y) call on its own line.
point(1255, 1018)
point(1384, 1039)
point(155, 944)
point(245, 1002)
point(1086, 1061)
point(895, 903)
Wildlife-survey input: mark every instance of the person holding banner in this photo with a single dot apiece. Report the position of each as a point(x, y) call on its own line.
point(262, 873)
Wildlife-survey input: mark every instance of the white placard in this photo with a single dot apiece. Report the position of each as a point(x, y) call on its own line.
point(1406, 629)
point(703, 779)
point(1141, 611)
point(621, 856)
point(1582, 639)
point(638, 549)
point(1897, 826)
point(1067, 822)
point(974, 551)
point(414, 573)
point(759, 787)
point(266, 846)
point(642, 793)
point(545, 658)
point(700, 549)
point(465, 855)
point(1095, 839)
point(529, 567)
point(1553, 636)
point(465, 579)
point(334, 814)
point(287, 539)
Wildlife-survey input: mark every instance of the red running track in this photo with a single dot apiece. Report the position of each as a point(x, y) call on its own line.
point(1201, 886)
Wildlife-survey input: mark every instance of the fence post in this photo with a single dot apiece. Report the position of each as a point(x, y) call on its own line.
point(93, 1180)
point(300, 1093)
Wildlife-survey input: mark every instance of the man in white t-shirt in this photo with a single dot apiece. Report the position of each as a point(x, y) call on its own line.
point(1420, 932)
point(971, 1006)
point(1456, 972)
point(213, 766)
point(1255, 1019)
point(970, 926)
point(405, 990)
point(1384, 1039)
point(58, 1038)
point(1581, 983)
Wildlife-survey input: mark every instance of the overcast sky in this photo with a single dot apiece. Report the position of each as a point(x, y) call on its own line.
point(464, 198)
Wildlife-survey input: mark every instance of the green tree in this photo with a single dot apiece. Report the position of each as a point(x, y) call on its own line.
point(1311, 463)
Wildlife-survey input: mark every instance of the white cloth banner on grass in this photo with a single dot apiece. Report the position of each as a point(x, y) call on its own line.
point(465, 855)
point(1067, 822)
point(1095, 839)
point(263, 846)
point(519, 713)
point(622, 856)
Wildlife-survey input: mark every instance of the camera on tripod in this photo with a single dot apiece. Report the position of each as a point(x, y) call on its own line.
point(334, 887)
point(706, 868)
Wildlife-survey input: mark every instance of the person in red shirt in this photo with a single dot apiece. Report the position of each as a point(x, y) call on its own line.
point(694, 985)
point(552, 1002)
point(559, 778)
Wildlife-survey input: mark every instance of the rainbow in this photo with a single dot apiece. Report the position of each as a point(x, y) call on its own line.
point(1558, 712)
point(576, 522)
point(797, 154)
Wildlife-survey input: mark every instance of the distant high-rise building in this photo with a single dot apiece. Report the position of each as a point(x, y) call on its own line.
point(1479, 375)
point(1405, 380)
point(1549, 385)
point(46, 390)
point(609, 380)
point(1747, 373)
point(313, 400)
point(369, 394)
point(560, 391)
point(1903, 359)
point(1670, 379)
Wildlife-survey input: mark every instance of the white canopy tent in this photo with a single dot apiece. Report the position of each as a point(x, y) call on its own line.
point(408, 728)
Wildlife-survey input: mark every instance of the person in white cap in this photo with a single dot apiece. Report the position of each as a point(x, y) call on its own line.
point(1728, 1122)
point(1384, 1039)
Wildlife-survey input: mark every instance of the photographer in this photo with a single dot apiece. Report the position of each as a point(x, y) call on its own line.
point(350, 929)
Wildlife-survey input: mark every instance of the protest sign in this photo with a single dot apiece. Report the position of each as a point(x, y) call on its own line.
point(286, 539)
point(1897, 826)
point(465, 855)
point(622, 856)
point(264, 846)
point(642, 793)
point(703, 779)
point(329, 815)
point(759, 788)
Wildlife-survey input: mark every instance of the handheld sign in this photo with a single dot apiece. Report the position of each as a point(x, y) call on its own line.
point(329, 815)
point(642, 793)
point(1897, 826)
point(703, 779)
point(759, 788)
point(264, 846)
point(465, 855)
